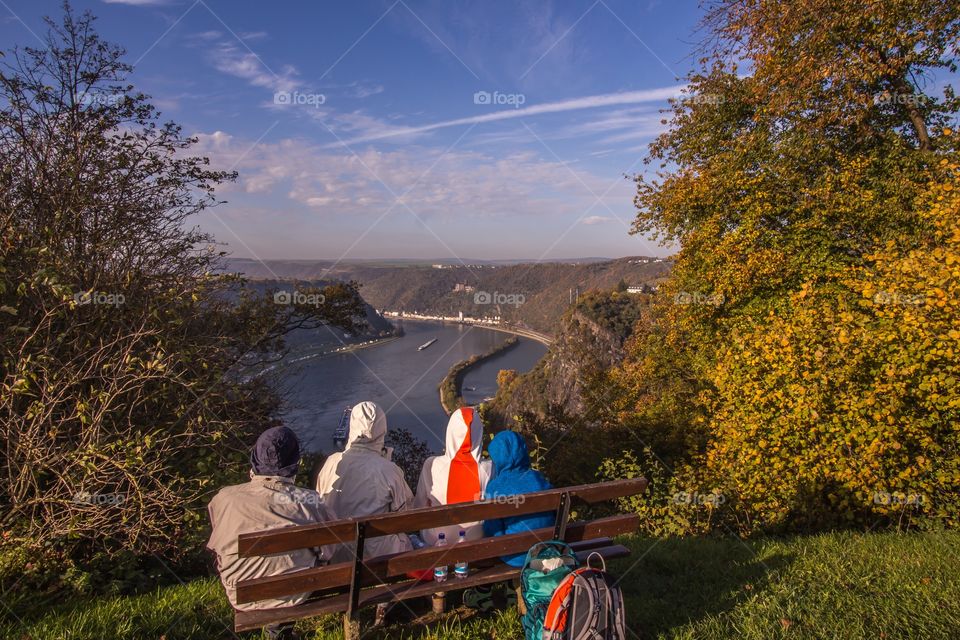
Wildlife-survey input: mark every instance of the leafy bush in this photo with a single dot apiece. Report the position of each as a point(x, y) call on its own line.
point(844, 403)
point(123, 402)
point(409, 453)
point(802, 357)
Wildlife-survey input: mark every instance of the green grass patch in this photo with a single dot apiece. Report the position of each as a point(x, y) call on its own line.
point(829, 586)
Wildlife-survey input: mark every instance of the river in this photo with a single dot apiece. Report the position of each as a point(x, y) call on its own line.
point(396, 376)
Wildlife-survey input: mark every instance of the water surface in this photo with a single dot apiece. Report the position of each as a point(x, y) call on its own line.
point(396, 376)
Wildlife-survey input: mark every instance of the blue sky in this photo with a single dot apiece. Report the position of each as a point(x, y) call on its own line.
point(406, 128)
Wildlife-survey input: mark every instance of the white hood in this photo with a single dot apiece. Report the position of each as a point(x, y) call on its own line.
point(368, 427)
point(361, 481)
point(460, 466)
point(457, 433)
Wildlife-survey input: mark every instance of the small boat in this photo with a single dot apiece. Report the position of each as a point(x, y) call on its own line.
point(340, 433)
point(426, 344)
point(470, 388)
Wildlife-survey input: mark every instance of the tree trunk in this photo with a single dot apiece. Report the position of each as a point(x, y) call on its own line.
point(904, 89)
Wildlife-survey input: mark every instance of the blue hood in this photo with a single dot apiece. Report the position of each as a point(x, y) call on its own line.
point(508, 451)
point(512, 477)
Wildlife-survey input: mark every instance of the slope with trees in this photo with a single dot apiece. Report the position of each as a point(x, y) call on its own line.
point(544, 290)
point(121, 348)
point(815, 201)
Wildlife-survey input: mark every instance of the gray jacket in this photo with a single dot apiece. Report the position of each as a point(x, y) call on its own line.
point(266, 502)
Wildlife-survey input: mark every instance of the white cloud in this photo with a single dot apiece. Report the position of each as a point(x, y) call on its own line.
point(353, 127)
point(619, 119)
point(461, 183)
point(229, 58)
point(586, 102)
point(355, 123)
point(358, 90)
point(218, 140)
point(591, 220)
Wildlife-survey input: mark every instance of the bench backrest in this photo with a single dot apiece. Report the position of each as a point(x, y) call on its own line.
point(354, 575)
point(271, 541)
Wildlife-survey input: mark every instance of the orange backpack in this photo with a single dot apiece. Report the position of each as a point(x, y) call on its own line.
point(587, 605)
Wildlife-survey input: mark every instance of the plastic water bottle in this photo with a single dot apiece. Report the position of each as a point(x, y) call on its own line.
point(461, 569)
point(416, 542)
point(440, 572)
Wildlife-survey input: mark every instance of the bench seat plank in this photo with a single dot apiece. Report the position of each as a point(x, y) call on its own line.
point(248, 620)
point(380, 569)
point(284, 539)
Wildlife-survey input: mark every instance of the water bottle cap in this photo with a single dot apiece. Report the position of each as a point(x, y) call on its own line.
point(462, 532)
point(443, 536)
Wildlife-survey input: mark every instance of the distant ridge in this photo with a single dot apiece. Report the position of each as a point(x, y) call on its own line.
point(531, 294)
point(238, 263)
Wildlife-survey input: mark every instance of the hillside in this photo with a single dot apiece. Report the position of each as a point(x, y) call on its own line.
point(589, 340)
point(326, 336)
point(534, 295)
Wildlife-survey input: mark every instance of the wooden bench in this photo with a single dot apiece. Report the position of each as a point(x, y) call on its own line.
point(348, 586)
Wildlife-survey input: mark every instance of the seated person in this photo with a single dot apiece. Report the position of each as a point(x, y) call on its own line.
point(458, 475)
point(268, 501)
point(362, 481)
point(511, 464)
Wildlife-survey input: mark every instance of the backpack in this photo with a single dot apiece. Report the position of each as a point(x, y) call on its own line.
point(547, 565)
point(587, 605)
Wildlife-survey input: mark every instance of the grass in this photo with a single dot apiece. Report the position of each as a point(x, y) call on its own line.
point(836, 586)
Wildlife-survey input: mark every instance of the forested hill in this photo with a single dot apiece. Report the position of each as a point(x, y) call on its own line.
point(533, 294)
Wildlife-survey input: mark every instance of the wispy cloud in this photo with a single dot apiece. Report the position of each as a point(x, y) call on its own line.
point(356, 126)
point(358, 90)
point(573, 104)
point(458, 183)
point(229, 58)
point(592, 220)
point(499, 45)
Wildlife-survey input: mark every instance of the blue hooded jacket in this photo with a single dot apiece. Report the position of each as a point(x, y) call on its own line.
point(513, 476)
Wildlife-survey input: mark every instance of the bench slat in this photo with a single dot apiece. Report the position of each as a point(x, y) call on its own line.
point(380, 569)
point(286, 539)
point(477, 565)
point(248, 620)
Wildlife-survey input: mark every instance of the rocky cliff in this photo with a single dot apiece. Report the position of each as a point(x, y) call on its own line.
point(590, 339)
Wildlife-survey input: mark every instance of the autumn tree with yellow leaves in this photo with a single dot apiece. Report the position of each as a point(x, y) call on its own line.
point(807, 344)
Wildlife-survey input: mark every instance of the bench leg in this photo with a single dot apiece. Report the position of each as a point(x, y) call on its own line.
point(439, 602)
point(351, 628)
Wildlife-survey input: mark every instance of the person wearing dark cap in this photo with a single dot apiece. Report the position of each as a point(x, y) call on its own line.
point(269, 500)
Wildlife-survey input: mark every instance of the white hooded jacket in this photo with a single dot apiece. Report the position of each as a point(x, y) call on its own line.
point(459, 475)
point(362, 481)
